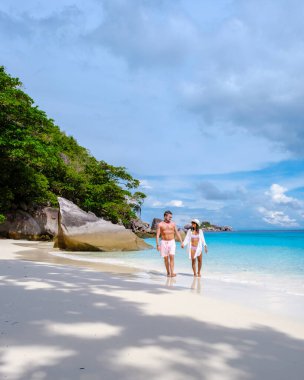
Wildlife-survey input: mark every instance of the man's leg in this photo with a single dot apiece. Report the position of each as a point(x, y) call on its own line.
point(199, 264)
point(166, 261)
point(172, 266)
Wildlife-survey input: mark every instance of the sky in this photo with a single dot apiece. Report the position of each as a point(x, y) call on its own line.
point(202, 101)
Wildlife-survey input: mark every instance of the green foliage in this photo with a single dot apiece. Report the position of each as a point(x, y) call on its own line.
point(206, 224)
point(39, 162)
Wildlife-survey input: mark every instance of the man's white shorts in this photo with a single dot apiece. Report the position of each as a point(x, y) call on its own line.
point(167, 247)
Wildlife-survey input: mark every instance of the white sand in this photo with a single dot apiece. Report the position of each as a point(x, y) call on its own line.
point(60, 322)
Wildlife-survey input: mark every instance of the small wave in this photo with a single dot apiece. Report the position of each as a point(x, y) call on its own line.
point(287, 286)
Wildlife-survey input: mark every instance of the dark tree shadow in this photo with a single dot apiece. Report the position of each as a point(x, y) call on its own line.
point(64, 323)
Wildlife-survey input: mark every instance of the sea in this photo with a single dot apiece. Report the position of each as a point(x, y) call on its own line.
point(263, 267)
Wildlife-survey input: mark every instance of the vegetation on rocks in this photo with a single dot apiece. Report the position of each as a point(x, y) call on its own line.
point(206, 225)
point(39, 162)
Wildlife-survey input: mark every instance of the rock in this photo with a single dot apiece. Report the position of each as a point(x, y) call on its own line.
point(155, 223)
point(47, 218)
point(23, 206)
point(81, 231)
point(146, 235)
point(214, 228)
point(20, 225)
point(142, 229)
point(187, 226)
point(138, 225)
point(40, 224)
point(182, 233)
point(226, 228)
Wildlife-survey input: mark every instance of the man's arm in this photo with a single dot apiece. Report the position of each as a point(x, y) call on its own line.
point(157, 237)
point(178, 234)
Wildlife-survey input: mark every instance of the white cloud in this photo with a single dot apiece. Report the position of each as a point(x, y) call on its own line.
point(157, 204)
point(145, 184)
point(173, 203)
point(277, 195)
point(146, 33)
point(181, 219)
point(259, 90)
point(176, 203)
point(277, 218)
point(210, 191)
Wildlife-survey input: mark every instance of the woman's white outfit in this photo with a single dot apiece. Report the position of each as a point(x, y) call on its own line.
point(201, 243)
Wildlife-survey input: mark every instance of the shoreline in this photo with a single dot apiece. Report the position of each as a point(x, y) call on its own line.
point(68, 321)
point(252, 295)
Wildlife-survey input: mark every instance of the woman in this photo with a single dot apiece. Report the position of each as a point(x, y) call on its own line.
point(195, 240)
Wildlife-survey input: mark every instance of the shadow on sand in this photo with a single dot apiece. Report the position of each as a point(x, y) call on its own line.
point(62, 323)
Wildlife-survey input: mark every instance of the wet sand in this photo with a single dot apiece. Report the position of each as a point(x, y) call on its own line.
point(44, 252)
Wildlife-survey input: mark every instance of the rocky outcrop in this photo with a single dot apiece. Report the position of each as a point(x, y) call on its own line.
point(207, 226)
point(82, 231)
point(142, 229)
point(155, 223)
point(215, 228)
point(38, 224)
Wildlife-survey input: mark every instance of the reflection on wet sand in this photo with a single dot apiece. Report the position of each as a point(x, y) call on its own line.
point(170, 281)
point(196, 285)
point(182, 280)
point(43, 252)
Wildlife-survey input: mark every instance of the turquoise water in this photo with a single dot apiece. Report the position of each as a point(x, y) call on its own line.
point(264, 258)
point(275, 253)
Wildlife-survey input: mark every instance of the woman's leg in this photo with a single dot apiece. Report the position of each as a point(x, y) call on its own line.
point(194, 266)
point(193, 251)
point(199, 264)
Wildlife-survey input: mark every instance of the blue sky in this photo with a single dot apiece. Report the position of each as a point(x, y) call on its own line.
point(200, 100)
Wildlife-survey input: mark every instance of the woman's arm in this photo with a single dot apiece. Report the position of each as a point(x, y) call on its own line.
point(203, 241)
point(187, 239)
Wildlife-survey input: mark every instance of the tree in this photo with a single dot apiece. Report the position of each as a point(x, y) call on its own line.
point(39, 162)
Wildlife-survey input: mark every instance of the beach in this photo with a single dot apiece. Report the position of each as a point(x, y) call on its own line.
point(68, 319)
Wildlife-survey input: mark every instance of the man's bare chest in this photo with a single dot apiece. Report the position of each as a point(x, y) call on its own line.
point(167, 227)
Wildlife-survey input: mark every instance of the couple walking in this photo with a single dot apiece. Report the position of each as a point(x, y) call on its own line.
point(194, 239)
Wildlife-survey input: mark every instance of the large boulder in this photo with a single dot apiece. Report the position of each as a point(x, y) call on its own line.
point(39, 224)
point(47, 219)
point(155, 223)
point(82, 231)
point(142, 229)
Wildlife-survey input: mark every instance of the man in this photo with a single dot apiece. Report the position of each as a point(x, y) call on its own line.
point(167, 230)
